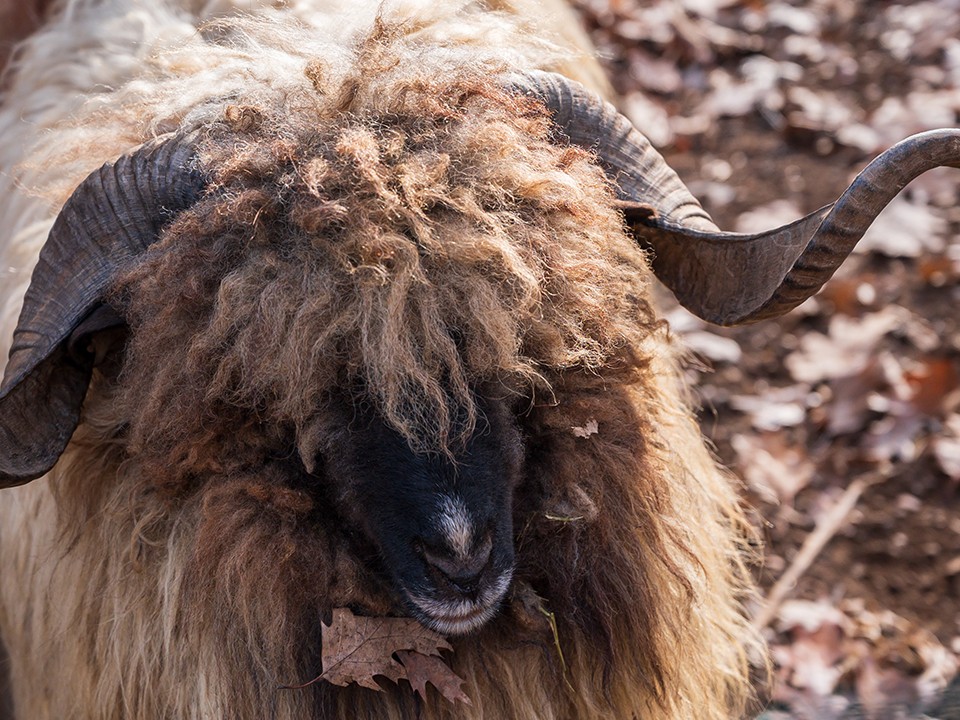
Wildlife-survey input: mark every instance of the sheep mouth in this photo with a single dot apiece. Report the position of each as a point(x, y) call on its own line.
point(459, 617)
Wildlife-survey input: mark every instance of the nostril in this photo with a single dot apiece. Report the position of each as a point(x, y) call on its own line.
point(465, 585)
point(462, 572)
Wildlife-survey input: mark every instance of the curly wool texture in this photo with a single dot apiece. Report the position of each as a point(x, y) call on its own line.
point(421, 247)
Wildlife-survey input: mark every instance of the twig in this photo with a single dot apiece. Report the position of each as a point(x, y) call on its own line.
point(826, 528)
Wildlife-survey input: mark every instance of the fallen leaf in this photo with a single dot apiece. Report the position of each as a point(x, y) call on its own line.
point(712, 193)
point(849, 410)
point(757, 86)
point(882, 689)
point(763, 217)
point(931, 382)
point(905, 229)
point(893, 437)
point(818, 634)
point(848, 347)
point(937, 270)
point(774, 469)
point(936, 187)
point(901, 663)
point(649, 117)
point(849, 295)
point(860, 136)
point(925, 24)
point(355, 649)
point(656, 74)
point(798, 20)
point(899, 117)
point(591, 428)
point(422, 669)
point(819, 111)
point(941, 666)
point(946, 448)
point(893, 662)
point(776, 408)
point(714, 347)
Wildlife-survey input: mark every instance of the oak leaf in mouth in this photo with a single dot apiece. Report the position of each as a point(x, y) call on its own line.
point(356, 648)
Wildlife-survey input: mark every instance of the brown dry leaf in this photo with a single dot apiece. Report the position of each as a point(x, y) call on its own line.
point(849, 295)
point(946, 448)
point(799, 20)
point(819, 111)
point(932, 381)
point(713, 347)
point(656, 74)
point(849, 346)
point(776, 408)
point(422, 669)
point(901, 663)
point(905, 229)
point(772, 214)
point(650, 117)
point(698, 338)
point(938, 187)
point(915, 393)
point(849, 410)
point(772, 467)
point(592, 427)
point(938, 270)
point(355, 649)
point(811, 659)
point(892, 662)
point(755, 87)
point(895, 437)
point(899, 117)
point(881, 689)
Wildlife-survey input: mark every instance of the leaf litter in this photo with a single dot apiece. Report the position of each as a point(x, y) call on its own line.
point(767, 109)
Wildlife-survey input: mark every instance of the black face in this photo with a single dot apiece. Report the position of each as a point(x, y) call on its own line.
point(443, 527)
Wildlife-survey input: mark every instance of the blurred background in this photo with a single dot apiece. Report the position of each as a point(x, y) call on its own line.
point(843, 418)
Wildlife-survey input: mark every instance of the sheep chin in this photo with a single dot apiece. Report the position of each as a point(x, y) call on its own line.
point(460, 617)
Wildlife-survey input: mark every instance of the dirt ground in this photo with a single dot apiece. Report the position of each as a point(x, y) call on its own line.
point(767, 110)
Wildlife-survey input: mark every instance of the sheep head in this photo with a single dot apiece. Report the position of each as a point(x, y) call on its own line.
point(437, 511)
point(303, 268)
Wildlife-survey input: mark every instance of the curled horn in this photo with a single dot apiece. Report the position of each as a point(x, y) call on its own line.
point(729, 278)
point(110, 219)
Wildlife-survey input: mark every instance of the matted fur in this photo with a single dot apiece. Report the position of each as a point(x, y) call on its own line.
point(382, 217)
point(423, 247)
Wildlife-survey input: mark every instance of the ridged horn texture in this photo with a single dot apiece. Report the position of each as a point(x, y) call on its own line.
point(110, 219)
point(730, 278)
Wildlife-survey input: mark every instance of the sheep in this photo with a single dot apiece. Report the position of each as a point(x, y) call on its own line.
point(338, 308)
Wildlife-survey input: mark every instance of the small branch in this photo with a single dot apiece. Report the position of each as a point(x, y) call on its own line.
point(829, 524)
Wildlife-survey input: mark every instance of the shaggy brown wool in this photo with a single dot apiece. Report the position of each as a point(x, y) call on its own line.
point(422, 248)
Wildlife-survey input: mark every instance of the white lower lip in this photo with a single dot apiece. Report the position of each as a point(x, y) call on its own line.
point(459, 619)
point(461, 624)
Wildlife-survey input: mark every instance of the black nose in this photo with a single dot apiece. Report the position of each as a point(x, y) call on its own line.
point(461, 572)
